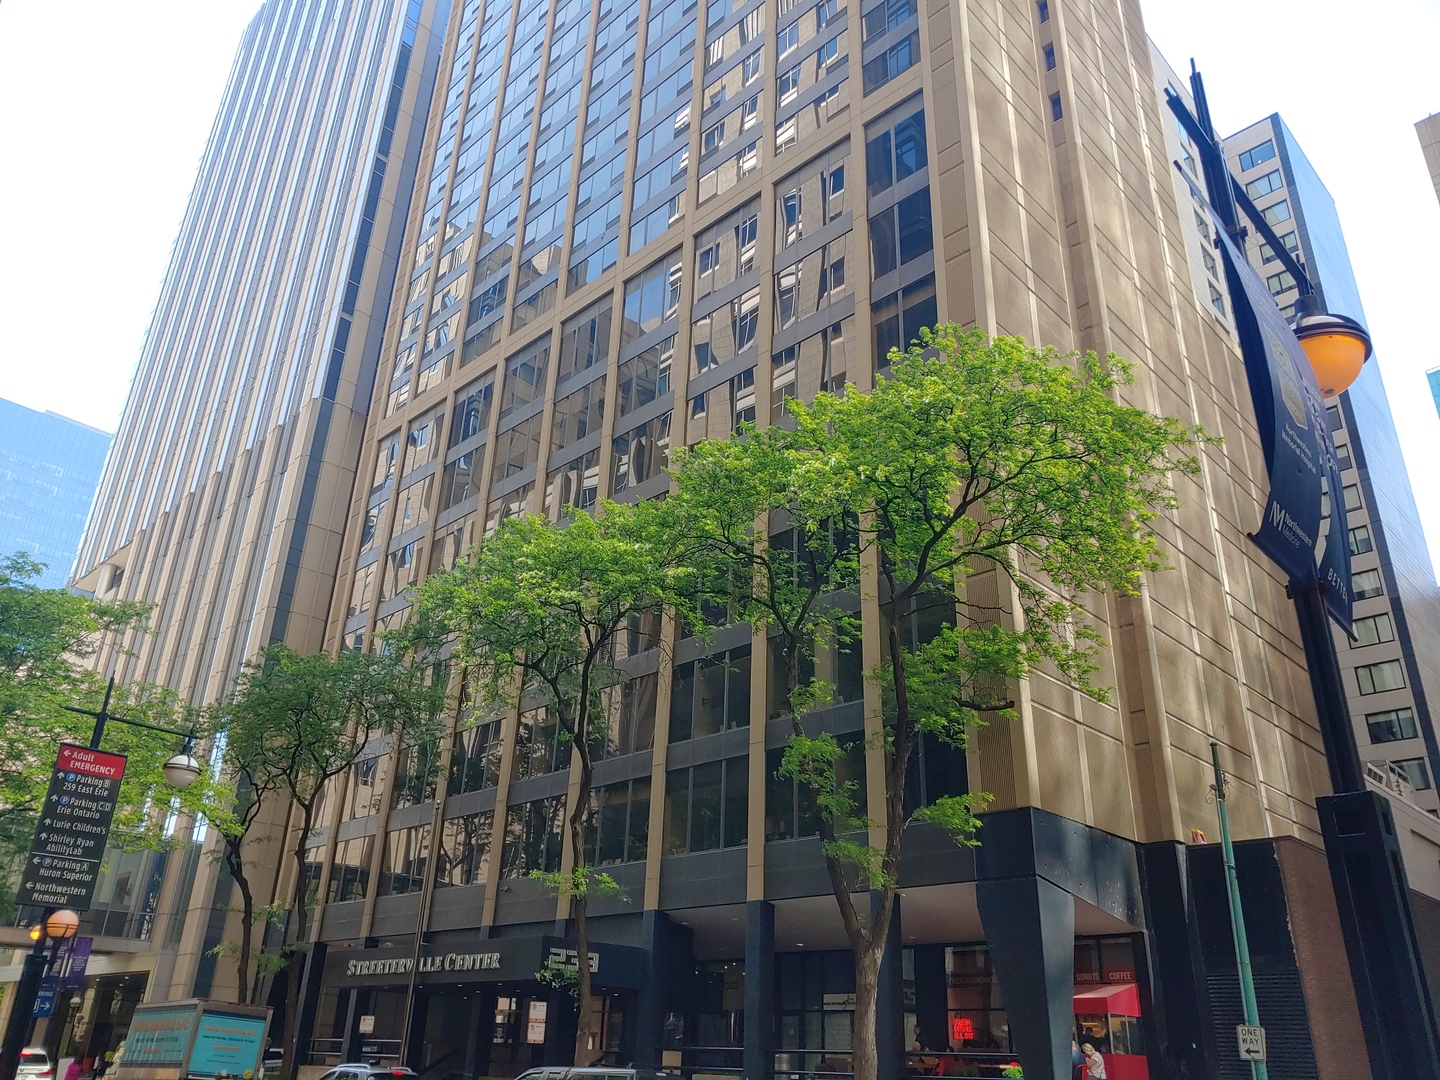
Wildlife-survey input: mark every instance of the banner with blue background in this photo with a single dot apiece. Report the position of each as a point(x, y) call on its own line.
point(1303, 528)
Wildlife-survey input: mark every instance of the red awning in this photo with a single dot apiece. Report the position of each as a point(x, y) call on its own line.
point(1120, 999)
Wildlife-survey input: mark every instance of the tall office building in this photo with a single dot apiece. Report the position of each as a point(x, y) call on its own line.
point(224, 496)
point(49, 466)
point(643, 222)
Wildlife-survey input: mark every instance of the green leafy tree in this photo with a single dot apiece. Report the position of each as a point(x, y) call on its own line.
point(971, 457)
point(292, 724)
point(788, 582)
point(536, 612)
point(46, 635)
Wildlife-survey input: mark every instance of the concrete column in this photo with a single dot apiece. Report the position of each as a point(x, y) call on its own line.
point(931, 1011)
point(1030, 927)
point(1177, 1022)
point(759, 1059)
point(314, 975)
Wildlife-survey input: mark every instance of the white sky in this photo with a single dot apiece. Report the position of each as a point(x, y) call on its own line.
point(105, 106)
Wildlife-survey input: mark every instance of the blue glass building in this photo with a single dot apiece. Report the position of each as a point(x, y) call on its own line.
point(1433, 378)
point(49, 467)
point(1392, 668)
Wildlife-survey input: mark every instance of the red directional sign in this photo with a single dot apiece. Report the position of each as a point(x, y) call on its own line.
point(74, 827)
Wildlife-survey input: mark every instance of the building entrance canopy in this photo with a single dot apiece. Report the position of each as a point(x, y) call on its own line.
point(480, 959)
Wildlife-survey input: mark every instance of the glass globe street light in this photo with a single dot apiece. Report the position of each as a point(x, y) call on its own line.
point(182, 770)
point(1337, 348)
point(62, 924)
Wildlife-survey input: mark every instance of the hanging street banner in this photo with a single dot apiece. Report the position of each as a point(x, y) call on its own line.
point(1303, 528)
point(74, 827)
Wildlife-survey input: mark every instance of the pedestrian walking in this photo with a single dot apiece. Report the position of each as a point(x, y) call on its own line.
point(1094, 1063)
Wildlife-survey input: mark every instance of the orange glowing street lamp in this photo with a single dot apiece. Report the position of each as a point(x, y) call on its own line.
point(1336, 346)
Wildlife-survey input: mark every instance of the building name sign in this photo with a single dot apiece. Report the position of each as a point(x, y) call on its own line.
point(480, 961)
point(484, 960)
point(403, 965)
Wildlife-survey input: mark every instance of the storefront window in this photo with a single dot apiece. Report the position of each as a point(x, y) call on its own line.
point(720, 1003)
point(816, 998)
point(975, 1012)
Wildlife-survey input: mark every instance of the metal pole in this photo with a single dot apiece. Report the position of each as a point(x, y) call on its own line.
point(101, 716)
point(1237, 913)
point(17, 1029)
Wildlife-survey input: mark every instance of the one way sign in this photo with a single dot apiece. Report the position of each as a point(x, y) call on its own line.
point(1252, 1042)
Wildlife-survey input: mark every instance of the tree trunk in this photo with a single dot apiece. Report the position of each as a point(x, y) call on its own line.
point(295, 966)
point(236, 866)
point(587, 1031)
point(865, 1052)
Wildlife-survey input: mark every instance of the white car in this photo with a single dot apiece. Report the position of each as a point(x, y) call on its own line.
point(35, 1064)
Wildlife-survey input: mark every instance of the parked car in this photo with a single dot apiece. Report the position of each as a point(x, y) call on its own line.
point(35, 1064)
point(364, 1070)
point(593, 1072)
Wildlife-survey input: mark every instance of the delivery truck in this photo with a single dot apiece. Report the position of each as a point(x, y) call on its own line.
point(195, 1039)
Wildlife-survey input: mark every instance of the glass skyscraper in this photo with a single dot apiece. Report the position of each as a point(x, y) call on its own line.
point(224, 496)
point(49, 466)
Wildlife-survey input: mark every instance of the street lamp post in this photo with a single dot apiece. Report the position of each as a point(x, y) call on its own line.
point(57, 926)
point(1361, 846)
point(181, 770)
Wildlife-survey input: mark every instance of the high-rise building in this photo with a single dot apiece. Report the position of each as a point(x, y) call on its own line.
point(1429, 132)
point(644, 222)
point(49, 466)
point(224, 496)
point(1391, 667)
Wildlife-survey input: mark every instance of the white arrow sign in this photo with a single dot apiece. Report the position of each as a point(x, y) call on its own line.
point(1252, 1042)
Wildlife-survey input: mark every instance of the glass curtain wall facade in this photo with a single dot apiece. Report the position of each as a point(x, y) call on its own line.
point(49, 466)
point(1390, 667)
point(640, 225)
point(223, 500)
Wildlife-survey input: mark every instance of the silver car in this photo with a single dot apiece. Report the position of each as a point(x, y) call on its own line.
point(361, 1070)
point(35, 1064)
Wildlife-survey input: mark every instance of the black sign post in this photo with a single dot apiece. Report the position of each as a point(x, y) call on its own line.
point(64, 861)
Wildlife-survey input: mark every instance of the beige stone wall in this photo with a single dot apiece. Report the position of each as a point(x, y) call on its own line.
point(1082, 246)
point(1068, 232)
